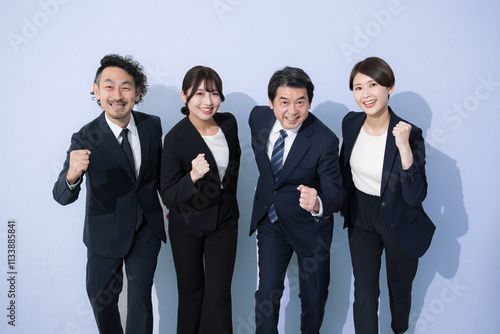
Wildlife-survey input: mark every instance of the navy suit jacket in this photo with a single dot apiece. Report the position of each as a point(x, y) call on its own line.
point(197, 205)
point(313, 162)
point(112, 189)
point(402, 191)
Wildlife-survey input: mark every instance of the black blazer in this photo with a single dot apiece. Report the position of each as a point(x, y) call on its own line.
point(402, 191)
point(112, 189)
point(197, 204)
point(312, 161)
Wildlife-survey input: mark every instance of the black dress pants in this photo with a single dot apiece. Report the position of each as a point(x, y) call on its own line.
point(204, 264)
point(275, 253)
point(105, 282)
point(368, 238)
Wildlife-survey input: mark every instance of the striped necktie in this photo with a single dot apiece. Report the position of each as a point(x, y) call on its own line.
point(276, 164)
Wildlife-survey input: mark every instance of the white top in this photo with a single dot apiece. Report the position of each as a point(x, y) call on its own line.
point(367, 161)
point(218, 146)
point(133, 138)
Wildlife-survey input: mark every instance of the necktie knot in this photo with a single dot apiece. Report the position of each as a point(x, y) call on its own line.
point(124, 134)
point(127, 149)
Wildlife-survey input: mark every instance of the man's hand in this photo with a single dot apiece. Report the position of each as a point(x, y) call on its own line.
point(78, 163)
point(308, 198)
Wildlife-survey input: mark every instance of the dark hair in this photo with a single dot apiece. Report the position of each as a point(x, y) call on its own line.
point(195, 77)
point(375, 68)
point(133, 68)
point(290, 77)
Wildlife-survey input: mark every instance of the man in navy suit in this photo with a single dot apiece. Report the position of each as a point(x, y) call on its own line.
point(119, 152)
point(298, 190)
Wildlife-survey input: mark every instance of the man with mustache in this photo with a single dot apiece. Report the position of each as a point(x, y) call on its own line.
point(119, 153)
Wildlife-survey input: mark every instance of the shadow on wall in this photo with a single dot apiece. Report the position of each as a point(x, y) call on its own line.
point(444, 205)
point(166, 103)
point(338, 304)
point(245, 271)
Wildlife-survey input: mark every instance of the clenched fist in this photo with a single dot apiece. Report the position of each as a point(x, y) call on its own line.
point(78, 163)
point(308, 199)
point(199, 167)
point(402, 134)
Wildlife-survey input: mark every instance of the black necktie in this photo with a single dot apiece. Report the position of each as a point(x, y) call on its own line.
point(127, 149)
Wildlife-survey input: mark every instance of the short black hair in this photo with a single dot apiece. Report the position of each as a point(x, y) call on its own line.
point(132, 67)
point(195, 77)
point(377, 69)
point(290, 77)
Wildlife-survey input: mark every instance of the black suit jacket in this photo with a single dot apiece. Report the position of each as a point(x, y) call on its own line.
point(112, 189)
point(313, 162)
point(402, 191)
point(197, 205)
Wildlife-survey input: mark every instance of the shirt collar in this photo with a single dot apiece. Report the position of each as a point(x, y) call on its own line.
point(277, 127)
point(116, 129)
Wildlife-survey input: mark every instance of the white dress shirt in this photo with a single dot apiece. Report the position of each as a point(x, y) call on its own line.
point(133, 138)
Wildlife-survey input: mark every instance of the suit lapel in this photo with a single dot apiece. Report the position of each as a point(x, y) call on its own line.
point(299, 148)
point(260, 146)
point(200, 143)
point(391, 151)
point(228, 134)
point(144, 139)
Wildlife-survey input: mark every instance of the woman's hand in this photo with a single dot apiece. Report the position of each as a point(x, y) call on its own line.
point(199, 167)
point(402, 134)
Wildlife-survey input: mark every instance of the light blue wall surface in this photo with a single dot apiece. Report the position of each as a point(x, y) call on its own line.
point(445, 55)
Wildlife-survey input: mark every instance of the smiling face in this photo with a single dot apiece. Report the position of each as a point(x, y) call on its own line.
point(291, 106)
point(371, 97)
point(116, 91)
point(203, 104)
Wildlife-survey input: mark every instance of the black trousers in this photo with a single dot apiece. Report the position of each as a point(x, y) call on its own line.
point(275, 252)
point(368, 238)
point(105, 282)
point(204, 264)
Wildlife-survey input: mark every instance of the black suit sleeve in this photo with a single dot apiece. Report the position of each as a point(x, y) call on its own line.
point(413, 180)
point(61, 192)
point(176, 186)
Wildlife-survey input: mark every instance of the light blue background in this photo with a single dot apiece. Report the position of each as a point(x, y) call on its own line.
point(445, 55)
